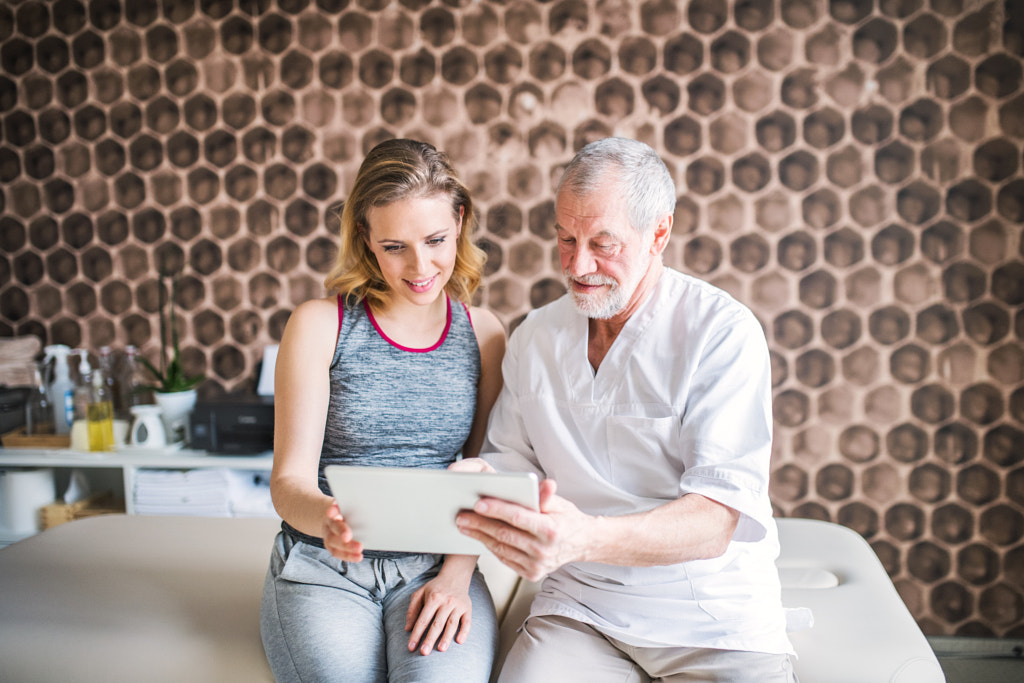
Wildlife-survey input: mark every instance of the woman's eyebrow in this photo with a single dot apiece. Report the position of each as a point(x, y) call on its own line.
point(428, 237)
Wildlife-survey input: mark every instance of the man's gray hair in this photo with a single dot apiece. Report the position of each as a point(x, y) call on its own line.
point(639, 172)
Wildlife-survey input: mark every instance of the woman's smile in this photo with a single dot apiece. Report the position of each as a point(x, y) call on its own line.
point(421, 286)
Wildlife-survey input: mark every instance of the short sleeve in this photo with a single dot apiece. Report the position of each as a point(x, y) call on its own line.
point(507, 447)
point(727, 423)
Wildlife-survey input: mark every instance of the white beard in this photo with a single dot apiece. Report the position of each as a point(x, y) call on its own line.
point(597, 306)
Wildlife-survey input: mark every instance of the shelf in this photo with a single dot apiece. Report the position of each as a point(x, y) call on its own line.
point(118, 469)
point(131, 457)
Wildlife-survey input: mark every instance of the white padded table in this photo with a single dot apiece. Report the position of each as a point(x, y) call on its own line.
point(862, 632)
point(125, 598)
point(134, 598)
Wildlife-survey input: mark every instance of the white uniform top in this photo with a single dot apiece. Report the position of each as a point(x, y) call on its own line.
point(680, 404)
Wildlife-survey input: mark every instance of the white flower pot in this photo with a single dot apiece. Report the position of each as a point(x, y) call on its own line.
point(175, 409)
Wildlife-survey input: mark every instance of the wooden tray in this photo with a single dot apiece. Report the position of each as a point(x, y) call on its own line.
point(19, 439)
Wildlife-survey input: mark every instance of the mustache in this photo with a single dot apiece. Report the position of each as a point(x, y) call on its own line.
point(591, 280)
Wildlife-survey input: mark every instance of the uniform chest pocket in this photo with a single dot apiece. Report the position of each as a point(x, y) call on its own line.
point(643, 455)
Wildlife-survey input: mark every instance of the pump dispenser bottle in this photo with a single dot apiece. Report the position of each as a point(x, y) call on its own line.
point(61, 388)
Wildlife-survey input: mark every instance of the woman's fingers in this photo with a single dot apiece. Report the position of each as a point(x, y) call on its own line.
point(436, 620)
point(338, 539)
point(415, 605)
point(428, 627)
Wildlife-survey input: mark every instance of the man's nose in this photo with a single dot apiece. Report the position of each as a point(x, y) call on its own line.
point(581, 261)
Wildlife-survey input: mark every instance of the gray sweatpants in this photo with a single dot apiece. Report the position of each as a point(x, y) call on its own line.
point(326, 620)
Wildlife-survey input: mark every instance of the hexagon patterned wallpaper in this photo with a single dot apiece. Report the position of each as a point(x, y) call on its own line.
point(850, 169)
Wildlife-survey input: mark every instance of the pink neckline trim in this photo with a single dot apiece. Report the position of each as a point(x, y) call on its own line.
point(444, 335)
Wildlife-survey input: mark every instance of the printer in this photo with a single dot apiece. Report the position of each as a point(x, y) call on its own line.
point(235, 424)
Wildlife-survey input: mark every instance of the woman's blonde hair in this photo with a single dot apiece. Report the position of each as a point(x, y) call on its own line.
point(393, 171)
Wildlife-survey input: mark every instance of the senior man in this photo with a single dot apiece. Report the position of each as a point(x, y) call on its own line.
point(646, 395)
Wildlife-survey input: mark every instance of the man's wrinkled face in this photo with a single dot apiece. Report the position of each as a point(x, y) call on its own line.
point(602, 257)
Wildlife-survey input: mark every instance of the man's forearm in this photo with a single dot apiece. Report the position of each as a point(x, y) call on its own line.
point(690, 528)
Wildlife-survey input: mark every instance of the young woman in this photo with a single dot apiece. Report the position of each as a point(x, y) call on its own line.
point(394, 370)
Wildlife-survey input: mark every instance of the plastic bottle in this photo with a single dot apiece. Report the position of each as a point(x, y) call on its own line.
point(82, 396)
point(38, 410)
point(132, 383)
point(108, 366)
point(61, 388)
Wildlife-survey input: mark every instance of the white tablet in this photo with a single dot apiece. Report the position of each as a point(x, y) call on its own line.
point(413, 510)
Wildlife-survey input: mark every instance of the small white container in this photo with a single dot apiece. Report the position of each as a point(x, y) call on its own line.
point(22, 492)
point(79, 435)
point(120, 432)
point(148, 427)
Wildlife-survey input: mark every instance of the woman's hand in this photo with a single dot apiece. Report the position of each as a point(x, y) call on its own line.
point(337, 536)
point(441, 611)
point(471, 465)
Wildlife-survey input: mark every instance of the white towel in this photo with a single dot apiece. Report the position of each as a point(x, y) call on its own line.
point(215, 491)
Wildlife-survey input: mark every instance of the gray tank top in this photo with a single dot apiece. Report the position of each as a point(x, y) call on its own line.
point(393, 406)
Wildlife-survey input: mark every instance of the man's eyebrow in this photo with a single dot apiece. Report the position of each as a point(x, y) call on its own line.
point(602, 233)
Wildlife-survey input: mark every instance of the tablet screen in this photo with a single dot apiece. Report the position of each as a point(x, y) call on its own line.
point(413, 509)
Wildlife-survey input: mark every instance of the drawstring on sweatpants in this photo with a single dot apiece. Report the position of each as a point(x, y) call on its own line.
point(381, 569)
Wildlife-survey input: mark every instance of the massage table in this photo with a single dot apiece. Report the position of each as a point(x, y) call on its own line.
point(127, 598)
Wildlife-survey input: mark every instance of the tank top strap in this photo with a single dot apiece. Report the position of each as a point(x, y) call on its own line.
point(341, 313)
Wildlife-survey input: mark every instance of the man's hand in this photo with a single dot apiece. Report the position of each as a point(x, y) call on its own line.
point(337, 536)
point(533, 544)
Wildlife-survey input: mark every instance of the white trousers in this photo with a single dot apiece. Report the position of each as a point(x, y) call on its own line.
point(554, 648)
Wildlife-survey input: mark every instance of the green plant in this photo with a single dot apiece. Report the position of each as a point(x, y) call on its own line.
point(170, 376)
